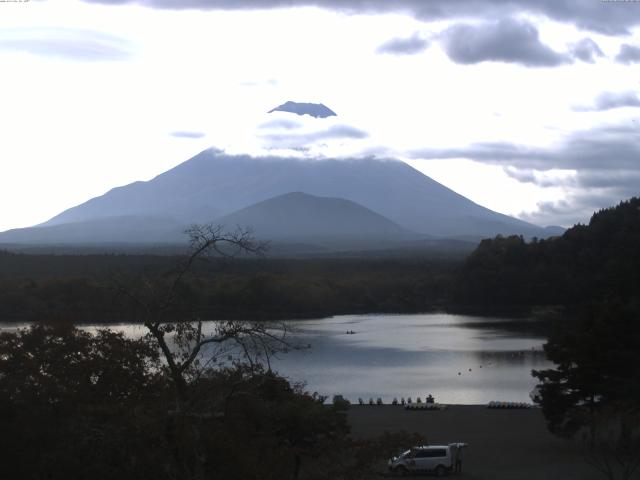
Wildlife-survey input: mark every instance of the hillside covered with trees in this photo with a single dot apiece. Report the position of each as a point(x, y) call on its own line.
point(591, 262)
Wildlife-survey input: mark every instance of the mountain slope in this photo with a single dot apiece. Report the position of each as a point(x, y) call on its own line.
point(104, 230)
point(298, 216)
point(213, 184)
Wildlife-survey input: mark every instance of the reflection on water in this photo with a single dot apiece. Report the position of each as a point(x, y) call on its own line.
point(456, 358)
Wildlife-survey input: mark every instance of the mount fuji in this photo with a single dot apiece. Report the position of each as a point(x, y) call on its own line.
point(315, 201)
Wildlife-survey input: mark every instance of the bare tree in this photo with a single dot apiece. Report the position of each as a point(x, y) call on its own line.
point(188, 346)
point(191, 348)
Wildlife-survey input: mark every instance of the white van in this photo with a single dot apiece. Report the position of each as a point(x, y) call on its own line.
point(438, 459)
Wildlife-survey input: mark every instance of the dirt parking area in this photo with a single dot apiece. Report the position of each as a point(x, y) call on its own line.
point(503, 444)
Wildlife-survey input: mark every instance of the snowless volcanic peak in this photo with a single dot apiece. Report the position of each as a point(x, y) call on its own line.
point(317, 110)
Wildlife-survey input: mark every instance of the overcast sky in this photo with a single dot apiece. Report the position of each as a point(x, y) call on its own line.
point(529, 108)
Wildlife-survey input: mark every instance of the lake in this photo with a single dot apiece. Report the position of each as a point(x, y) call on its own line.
point(456, 358)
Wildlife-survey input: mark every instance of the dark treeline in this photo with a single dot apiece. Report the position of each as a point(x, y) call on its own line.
point(588, 263)
point(85, 288)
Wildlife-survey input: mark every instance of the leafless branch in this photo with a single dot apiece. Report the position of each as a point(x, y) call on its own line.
point(181, 339)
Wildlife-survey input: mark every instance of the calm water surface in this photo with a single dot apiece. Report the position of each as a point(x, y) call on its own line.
point(456, 358)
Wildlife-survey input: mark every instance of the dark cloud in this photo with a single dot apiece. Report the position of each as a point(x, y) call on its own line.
point(586, 192)
point(404, 46)
point(278, 140)
point(185, 134)
point(606, 148)
point(619, 180)
point(507, 40)
point(612, 18)
point(611, 100)
point(625, 180)
point(524, 175)
point(500, 153)
point(586, 50)
point(628, 54)
point(606, 162)
point(624, 183)
point(528, 175)
point(562, 213)
point(67, 43)
point(577, 206)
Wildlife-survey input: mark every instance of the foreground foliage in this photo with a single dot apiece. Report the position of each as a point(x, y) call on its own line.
point(100, 406)
point(76, 405)
point(597, 358)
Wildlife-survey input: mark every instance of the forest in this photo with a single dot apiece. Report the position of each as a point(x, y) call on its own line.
point(85, 289)
point(588, 262)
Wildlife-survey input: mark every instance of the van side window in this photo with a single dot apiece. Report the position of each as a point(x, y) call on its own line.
point(436, 452)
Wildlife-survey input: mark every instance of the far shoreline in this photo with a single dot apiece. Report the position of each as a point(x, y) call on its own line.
point(508, 315)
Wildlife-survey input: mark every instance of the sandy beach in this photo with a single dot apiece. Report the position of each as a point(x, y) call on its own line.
point(503, 444)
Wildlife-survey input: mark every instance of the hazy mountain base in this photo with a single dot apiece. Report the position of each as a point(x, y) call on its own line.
point(212, 185)
point(316, 247)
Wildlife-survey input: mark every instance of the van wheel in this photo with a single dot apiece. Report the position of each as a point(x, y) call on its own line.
point(402, 471)
point(441, 471)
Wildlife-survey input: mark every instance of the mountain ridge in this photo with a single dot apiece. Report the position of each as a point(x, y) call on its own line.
point(298, 215)
point(212, 185)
